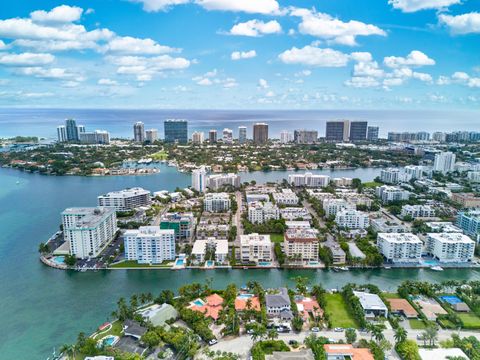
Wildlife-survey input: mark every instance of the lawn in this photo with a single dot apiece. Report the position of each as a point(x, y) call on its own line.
point(276, 238)
point(372, 184)
point(161, 155)
point(416, 324)
point(470, 320)
point(134, 264)
point(338, 313)
point(391, 295)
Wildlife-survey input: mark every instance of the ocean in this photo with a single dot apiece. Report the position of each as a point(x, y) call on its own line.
point(43, 122)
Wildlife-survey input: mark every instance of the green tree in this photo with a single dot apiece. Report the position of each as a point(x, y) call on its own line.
point(350, 336)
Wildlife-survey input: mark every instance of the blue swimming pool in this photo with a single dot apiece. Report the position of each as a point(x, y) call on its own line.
point(59, 260)
point(198, 302)
point(109, 340)
point(245, 296)
point(451, 299)
point(179, 262)
point(210, 263)
point(264, 263)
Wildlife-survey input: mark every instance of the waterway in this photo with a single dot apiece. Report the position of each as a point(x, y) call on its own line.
point(41, 307)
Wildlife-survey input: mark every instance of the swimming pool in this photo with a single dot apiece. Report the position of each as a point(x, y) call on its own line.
point(451, 299)
point(110, 340)
point(264, 263)
point(179, 262)
point(245, 296)
point(210, 263)
point(60, 260)
point(198, 302)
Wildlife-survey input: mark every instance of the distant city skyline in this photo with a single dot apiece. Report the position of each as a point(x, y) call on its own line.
point(238, 54)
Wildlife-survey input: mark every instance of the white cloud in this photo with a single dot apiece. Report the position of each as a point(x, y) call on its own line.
point(107, 82)
point(145, 68)
point(415, 59)
point(303, 73)
point(49, 73)
point(314, 56)
point(256, 28)
point(332, 29)
point(26, 59)
point(362, 82)
point(263, 83)
point(230, 83)
point(55, 45)
point(416, 5)
point(422, 77)
point(205, 82)
point(461, 78)
point(462, 24)
point(131, 45)
point(248, 6)
point(60, 14)
point(270, 94)
point(238, 55)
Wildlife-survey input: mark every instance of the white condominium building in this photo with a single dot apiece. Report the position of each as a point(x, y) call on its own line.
point(255, 248)
point(286, 197)
point(199, 179)
point(391, 193)
point(216, 181)
point(418, 211)
point(198, 137)
point(450, 247)
point(343, 181)
point(150, 245)
point(414, 171)
point(286, 137)
point(125, 200)
point(444, 162)
point(390, 176)
point(293, 213)
point(309, 180)
point(89, 230)
point(333, 206)
point(301, 243)
point(400, 248)
point(259, 213)
point(216, 202)
point(352, 219)
point(213, 245)
point(473, 176)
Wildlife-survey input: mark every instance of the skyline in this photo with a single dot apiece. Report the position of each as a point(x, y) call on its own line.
point(277, 54)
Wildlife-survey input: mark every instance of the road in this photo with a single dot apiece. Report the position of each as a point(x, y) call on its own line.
point(158, 217)
point(241, 345)
point(312, 212)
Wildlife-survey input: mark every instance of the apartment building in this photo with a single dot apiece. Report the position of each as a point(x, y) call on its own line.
point(261, 212)
point(255, 248)
point(400, 247)
point(309, 180)
point(217, 181)
point(149, 245)
point(352, 219)
point(182, 223)
point(333, 206)
point(450, 247)
point(216, 202)
point(286, 197)
point(126, 200)
point(418, 211)
point(391, 193)
point(469, 222)
point(211, 245)
point(301, 244)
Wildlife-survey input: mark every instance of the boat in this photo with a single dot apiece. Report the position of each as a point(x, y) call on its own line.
point(387, 267)
point(436, 268)
point(344, 268)
point(336, 269)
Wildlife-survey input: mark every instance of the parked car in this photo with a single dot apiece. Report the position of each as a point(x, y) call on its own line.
point(212, 342)
point(315, 329)
point(338, 329)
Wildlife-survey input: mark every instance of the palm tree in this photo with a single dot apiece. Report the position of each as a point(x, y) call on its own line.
point(68, 350)
point(431, 333)
point(272, 334)
point(400, 335)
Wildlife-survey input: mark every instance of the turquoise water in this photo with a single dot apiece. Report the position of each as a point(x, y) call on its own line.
point(109, 340)
point(245, 296)
point(41, 307)
point(199, 302)
point(59, 259)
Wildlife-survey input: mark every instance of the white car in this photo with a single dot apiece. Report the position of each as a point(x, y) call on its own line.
point(212, 342)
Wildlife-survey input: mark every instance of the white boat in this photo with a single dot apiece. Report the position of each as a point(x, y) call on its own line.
point(387, 267)
point(436, 268)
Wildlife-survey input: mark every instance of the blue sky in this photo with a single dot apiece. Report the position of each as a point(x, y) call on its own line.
point(240, 54)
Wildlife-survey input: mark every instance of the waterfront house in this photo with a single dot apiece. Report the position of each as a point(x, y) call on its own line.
point(402, 307)
point(371, 304)
point(278, 304)
point(133, 329)
point(243, 302)
point(211, 307)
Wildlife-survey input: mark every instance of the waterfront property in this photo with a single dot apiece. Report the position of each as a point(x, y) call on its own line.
point(255, 248)
point(450, 247)
point(301, 245)
point(210, 308)
point(126, 200)
point(389, 194)
point(400, 247)
point(308, 180)
point(372, 304)
point(210, 249)
point(88, 230)
point(150, 245)
point(259, 213)
point(279, 304)
point(182, 223)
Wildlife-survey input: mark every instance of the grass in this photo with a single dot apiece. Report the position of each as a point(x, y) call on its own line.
point(338, 313)
point(276, 238)
point(470, 320)
point(391, 295)
point(372, 184)
point(417, 324)
point(161, 155)
point(116, 330)
point(134, 264)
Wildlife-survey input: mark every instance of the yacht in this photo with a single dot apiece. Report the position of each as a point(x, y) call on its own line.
point(436, 268)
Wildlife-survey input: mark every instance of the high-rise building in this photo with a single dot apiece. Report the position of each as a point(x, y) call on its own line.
point(260, 133)
point(305, 136)
point(444, 162)
point(95, 137)
point(217, 181)
point(199, 179)
point(72, 130)
point(176, 131)
point(358, 131)
point(80, 129)
point(227, 136)
point(139, 132)
point(372, 133)
point(216, 202)
point(149, 245)
point(197, 137)
point(286, 137)
point(151, 135)
point(89, 230)
point(242, 134)
point(125, 200)
point(337, 130)
point(439, 136)
point(62, 133)
point(212, 136)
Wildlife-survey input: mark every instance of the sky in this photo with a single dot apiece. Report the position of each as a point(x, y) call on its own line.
point(240, 54)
